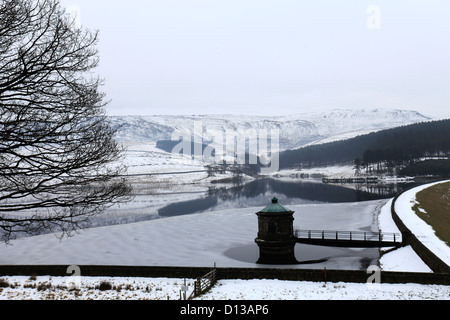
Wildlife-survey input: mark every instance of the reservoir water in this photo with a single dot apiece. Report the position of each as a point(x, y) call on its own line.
point(191, 231)
point(257, 193)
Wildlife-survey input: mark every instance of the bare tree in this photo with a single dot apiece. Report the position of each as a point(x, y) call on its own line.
point(57, 148)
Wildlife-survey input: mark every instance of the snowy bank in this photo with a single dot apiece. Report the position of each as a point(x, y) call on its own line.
point(401, 259)
point(423, 231)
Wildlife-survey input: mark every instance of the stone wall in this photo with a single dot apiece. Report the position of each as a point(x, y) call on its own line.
point(314, 275)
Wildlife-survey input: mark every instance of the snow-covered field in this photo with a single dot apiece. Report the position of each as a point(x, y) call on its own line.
point(55, 288)
point(88, 288)
point(294, 290)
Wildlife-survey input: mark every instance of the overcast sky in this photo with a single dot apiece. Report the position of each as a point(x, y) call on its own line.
point(271, 57)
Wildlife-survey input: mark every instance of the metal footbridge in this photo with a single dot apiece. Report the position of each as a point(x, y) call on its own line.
point(355, 239)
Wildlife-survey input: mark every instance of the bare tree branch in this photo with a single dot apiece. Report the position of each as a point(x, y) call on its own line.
point(57, 148)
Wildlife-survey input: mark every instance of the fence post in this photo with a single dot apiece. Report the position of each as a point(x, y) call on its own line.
point(214, 279)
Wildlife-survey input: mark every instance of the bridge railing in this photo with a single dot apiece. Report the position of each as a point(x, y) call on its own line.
point(347, 235)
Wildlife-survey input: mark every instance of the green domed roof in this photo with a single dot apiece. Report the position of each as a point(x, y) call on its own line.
point(275, 207)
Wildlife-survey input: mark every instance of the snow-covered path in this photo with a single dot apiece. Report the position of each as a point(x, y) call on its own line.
point(423, 231)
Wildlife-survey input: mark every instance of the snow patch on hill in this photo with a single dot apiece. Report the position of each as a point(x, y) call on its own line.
point(295, 130)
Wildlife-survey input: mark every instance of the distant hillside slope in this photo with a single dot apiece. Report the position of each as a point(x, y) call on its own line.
point(295, 130)
point(397, 145)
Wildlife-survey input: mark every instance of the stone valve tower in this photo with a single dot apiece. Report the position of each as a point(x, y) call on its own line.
point(275, 239)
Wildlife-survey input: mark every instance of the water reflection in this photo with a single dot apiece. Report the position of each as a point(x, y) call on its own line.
point(258, 191)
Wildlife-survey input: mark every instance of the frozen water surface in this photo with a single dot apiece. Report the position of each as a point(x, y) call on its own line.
point(200, 239)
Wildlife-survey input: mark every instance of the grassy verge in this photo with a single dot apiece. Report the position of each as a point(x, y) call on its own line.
point(434, 208)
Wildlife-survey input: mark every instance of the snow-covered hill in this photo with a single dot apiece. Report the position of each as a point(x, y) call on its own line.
point(139, 135)
point(295, 130)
